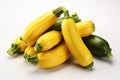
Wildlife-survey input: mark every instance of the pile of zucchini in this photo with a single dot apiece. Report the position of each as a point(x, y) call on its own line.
point(97, 45)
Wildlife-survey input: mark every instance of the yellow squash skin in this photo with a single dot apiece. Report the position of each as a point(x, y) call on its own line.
point(54, 57)
point(75, 44)
point(48, 40)
point(17, 47)
point(85, 28)
point(39, 26)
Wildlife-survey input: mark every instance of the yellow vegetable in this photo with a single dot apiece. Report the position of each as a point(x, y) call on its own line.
point(51, 58)
point(39, 26)
point(48, 40)
point(29, 52)
point(17, 47)
point(85, 28)
point(75, 43)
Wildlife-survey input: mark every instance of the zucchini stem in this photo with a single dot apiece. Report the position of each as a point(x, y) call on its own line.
point(32, 59)
point(90, 65)
point(66, 14)
point(58, 11)
point(75, 17)
point(38, 47)
point(15, 49)
point(26, 55)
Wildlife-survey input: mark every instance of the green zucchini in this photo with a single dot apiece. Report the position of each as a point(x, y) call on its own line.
point(98, 46)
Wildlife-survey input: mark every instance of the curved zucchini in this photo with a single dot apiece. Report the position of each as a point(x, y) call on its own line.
point(75, 43)
point(98, 46)
point(39, 26)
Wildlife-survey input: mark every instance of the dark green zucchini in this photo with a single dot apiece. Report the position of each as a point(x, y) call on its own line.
point(98, 46)
point(57, 25)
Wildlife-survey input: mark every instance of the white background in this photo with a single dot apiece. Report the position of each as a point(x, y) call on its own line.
point(15, 15)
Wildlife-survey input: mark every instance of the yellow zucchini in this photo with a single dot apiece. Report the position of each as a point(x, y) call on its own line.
point(75, 43)
point(39, 26)
point(48, 40)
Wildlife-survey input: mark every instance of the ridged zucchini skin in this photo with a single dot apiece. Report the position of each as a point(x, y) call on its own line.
point(98, 46)
point(75, 43)
point(37, 27)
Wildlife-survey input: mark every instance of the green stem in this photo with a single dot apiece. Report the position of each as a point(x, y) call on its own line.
point(15, 49)
point(32, 59)
point(26, 55)
point(75, 17)
point(90, 65)
point(58, 11)
point(38, 47)
point(66, 14)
